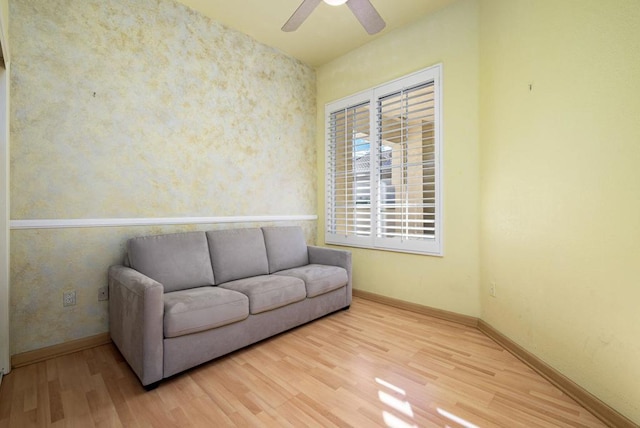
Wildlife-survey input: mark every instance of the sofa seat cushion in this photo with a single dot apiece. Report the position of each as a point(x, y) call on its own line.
point(319, 279)
point(203, 308)
point(268, 292)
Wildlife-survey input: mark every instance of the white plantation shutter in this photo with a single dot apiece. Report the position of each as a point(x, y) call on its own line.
point(383, 166)
point(348, 173)
point(406, 167)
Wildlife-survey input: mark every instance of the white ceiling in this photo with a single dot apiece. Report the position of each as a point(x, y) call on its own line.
point(327, 34)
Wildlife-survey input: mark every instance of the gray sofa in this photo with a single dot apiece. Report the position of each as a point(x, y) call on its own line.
point(183, 299)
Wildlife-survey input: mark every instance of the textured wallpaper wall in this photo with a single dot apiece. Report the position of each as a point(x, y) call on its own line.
point(139, 108)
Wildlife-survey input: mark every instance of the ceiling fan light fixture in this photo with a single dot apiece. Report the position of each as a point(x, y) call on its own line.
point(362, 9)
point(335, 2)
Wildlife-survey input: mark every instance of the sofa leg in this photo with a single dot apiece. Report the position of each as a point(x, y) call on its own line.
point(346, 308)
point(151, 386)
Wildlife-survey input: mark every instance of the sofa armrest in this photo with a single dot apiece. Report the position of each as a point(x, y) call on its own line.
point(136, 312)
point(333, 257)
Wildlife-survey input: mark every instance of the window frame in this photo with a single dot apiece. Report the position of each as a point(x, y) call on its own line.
point(372, 96)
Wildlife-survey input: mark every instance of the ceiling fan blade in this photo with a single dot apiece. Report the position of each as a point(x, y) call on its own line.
point(367, 15)
point(302, 12)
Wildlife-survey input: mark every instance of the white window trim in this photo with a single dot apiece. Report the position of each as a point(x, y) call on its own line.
point(432, 247)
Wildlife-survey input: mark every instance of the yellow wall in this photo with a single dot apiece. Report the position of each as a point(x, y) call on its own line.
point(560, 186)
point(135, 108)
point(450, 37)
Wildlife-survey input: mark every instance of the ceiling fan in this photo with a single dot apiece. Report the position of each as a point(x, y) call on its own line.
point(362, 9)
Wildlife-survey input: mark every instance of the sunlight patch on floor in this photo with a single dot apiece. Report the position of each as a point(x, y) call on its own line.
point(393, 421)
point(456, 419)
point(397, 404)
point(403, 407)
point(390, 386)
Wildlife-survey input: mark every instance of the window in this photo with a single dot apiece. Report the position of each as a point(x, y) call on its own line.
point(383, 173)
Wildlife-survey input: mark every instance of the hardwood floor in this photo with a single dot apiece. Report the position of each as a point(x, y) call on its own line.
point(370, 366)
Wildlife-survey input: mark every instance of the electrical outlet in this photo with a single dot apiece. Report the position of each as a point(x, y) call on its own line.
point(103, 293)
point(492, 289)
point(69, 298)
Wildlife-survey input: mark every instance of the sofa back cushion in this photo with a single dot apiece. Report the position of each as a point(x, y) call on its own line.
point(286, 247)
point(178, 260)
point(237, 254)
